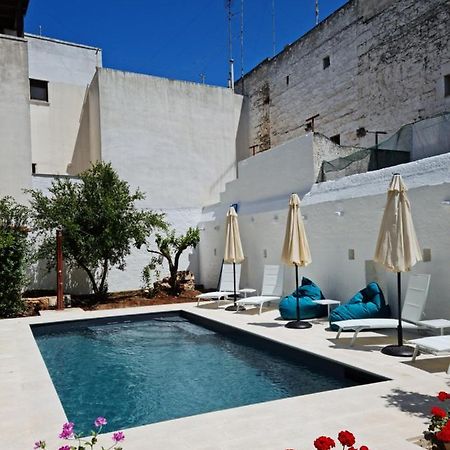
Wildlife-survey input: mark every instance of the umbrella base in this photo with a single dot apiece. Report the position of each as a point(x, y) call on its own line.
point(298, 324)
point(235, 308)
point(398, 350)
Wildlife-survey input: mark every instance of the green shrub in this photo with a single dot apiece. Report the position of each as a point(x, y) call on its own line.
point(99, 219)
point(14, 256)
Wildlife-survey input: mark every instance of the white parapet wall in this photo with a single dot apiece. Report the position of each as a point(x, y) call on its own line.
point(342, 219)
point(68, 68)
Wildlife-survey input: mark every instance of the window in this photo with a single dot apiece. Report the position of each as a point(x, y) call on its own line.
point(326, 62)
point(39, 90)
point(447, 85)
point(336, 139)
point(287, 80)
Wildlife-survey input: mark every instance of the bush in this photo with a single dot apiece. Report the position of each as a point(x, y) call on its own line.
point(14, 256)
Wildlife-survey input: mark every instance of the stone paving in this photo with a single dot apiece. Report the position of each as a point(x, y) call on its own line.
point(388, 415)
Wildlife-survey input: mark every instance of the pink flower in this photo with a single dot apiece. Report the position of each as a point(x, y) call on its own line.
point(67, 431)
point(38, 445)
point(100, 421)
point(118, 436)
point(64, 447)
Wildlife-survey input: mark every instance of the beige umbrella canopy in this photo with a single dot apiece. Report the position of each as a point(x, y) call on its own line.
point(233, 249)
point(397, 248)
point(233, 246)
point(296, 250)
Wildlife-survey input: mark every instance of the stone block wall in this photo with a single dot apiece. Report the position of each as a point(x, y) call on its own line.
point(387, 62)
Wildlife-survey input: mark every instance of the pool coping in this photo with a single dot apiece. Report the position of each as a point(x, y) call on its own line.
point(30, 408)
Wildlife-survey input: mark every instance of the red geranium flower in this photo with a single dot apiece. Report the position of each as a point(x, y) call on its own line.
point(444, 434)
point(443, 396)
point(436, 411)
point(324, 443)
point(346, 438)
point(364, 447)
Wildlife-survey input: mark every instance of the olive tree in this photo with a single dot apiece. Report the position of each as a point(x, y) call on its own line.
point(100, 222)
point(170, 248)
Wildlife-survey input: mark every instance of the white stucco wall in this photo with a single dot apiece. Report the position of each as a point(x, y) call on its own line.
point(360, 199)
point(173, 139)
point(15, 141)
point(69, 69)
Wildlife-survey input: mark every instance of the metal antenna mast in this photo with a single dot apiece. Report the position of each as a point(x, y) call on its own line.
point(229, 4)
point(242, 38)
point(317, 12)
point(273, 28)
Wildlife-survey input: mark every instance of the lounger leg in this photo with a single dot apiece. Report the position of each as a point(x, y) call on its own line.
point(260, 308)
point(416, 352)
point(355, 336)
point(339, 333)
point(448, 370)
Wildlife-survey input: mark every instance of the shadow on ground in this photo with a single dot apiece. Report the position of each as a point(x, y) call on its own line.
point(413, 403)
point(267, 324)
point(431, 365)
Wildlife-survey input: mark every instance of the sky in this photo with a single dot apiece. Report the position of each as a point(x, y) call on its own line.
point(178, 39)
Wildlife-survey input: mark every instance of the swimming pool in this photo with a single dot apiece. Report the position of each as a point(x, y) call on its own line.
point(149, 368)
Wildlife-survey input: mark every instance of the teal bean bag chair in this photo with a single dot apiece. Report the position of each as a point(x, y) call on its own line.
point(307, 292)
point(367, 303)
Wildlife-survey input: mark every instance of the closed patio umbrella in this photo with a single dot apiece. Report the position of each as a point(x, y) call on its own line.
point(296, 250)
point(397, 249)
point(233, 250)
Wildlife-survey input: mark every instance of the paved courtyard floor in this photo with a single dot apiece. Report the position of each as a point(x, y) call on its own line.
point(388, 415)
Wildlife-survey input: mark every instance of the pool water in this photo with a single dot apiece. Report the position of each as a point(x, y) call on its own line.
point(163, 368)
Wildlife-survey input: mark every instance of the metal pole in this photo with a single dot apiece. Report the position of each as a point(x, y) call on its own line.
point(376, 150)
point(59, 271)
point(399, 303)
point(234, 283)
point(242, 38)
point(296, 292)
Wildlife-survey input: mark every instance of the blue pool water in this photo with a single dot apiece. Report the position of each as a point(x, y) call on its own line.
point(167, 367)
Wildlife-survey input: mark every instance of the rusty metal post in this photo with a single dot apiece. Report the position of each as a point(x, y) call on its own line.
point(59, 271)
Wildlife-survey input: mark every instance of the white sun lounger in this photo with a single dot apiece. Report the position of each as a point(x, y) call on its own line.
point(436, 345)
point(272, 288)
point(226, 287)
point(414, 304)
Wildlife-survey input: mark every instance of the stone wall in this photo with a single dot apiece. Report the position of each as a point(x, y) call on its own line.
point(387, 62)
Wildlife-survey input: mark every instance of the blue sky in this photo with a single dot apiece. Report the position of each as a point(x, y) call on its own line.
point(177, 39)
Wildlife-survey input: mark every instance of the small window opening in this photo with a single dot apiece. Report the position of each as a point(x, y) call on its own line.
point(33, 168)
point(326, 62)
point(39, 90)
point(287, 80)
point(447, 85)
point(336, 139)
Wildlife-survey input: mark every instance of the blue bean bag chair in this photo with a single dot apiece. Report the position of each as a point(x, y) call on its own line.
point(307, 292)
point(367, 303)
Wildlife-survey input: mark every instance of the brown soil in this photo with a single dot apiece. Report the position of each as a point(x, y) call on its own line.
point(135, 298)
